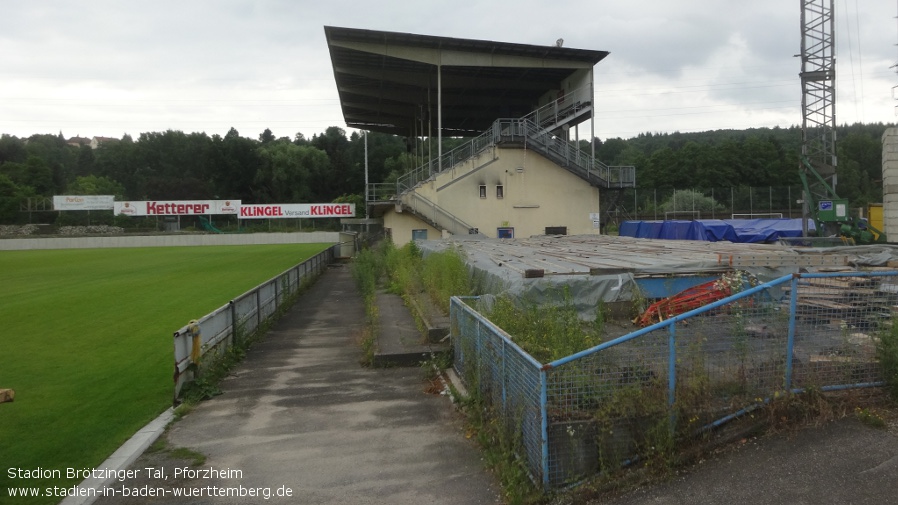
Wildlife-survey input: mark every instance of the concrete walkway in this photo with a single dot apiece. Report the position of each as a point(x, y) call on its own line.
point(301, 417)
point(399, 340)
point(842, 462)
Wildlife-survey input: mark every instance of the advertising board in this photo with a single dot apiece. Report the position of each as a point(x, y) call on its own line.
point(296, 210)
point(177, 207)
point(83, 202)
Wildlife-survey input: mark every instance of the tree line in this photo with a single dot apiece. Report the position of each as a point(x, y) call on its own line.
point(767, 157)
point(174, 165)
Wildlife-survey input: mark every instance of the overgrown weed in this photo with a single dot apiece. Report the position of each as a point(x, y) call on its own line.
point(501, 447)
point(548, 332)
point(887, 353)
point(444, 275)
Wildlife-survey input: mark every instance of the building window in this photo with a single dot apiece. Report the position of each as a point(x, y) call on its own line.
point(505, 232)
point(500, 191)
point(482, 191)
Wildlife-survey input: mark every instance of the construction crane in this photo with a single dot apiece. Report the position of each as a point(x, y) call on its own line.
point(818, 130)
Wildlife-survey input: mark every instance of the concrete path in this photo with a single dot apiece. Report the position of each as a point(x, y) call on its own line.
point(841, 462)
point(399, 340)
point(301, 417)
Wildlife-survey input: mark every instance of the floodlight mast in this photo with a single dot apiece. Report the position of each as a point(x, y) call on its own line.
point(818, 107)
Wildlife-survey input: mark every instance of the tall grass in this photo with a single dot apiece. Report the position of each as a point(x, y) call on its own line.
point(403, 268)
point(439, 275)
point(887, 353)
point(547, 332)
point(86, 342)
point(444, 275)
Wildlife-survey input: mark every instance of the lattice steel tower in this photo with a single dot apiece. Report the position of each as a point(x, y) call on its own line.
point(818, 101)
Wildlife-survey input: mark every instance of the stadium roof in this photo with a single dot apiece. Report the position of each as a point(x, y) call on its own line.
point(388, 81)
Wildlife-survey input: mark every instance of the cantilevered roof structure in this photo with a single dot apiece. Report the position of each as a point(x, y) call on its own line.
point(397, 82)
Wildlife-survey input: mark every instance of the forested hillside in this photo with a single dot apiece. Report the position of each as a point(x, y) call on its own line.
point(174, 165)
point(756, 157)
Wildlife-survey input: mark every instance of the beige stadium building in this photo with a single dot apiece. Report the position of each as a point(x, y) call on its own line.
point(521, 169)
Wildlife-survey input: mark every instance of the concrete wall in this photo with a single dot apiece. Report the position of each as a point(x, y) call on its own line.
point(890, 183)
point(402, 224)
point(172, 240)
point(536, 194)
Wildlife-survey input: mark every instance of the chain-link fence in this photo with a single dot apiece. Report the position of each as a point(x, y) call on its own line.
point(501, 372)
point(644, 204)
point(646, 391)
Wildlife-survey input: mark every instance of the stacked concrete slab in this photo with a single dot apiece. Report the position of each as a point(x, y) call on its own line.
point(890, 182)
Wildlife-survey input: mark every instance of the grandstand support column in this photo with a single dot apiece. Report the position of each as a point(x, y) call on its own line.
point(592, 137)
point(592, 117)
point(366, 179)
point(440, 114)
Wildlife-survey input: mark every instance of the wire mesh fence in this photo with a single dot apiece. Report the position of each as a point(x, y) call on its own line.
point(503, 374)
point(644, 392)
point(736, 202)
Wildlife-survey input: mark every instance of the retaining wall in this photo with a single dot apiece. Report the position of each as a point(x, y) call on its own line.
point(171, 240)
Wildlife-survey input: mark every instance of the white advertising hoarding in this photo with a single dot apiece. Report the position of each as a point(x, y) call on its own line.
point(177, 208)
point(296, 210)
point(83, 202)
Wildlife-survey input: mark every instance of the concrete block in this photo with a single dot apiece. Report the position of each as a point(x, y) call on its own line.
point(7, 395)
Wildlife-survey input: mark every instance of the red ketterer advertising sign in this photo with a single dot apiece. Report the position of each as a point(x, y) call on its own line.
point(177, 207)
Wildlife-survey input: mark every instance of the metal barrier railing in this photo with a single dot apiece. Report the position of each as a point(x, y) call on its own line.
point(436, 214)
point(563, 152)
point(540, 138)
point(215, 332)
point(381, 192)
point(567, 107)
point(596, 409)
point(448, 160)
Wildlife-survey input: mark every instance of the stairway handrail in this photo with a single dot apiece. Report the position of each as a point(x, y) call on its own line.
point(565, 106)
point(563, 152)
point(461, 227)
point(449, 159)
point(541, 140)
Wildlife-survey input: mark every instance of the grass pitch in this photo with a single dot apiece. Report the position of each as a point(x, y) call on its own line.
point(86, 343)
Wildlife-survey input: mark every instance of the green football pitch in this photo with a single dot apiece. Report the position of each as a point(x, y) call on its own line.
point(86, 343)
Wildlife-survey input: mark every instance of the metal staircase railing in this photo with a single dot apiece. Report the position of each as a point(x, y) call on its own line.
point(449, 159)
point(435, 215)
point(380, 192)
point(531, 132)
point(565, 110)
point(528, 133)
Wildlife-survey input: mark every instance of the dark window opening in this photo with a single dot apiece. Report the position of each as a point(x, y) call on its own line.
point(505, 232)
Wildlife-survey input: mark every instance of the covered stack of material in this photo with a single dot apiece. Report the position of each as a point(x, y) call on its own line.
point(746, 231)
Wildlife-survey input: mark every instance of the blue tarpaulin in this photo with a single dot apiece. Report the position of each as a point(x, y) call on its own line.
point(714, 230)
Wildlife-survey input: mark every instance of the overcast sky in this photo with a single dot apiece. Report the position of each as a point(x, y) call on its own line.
point(108, 67)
